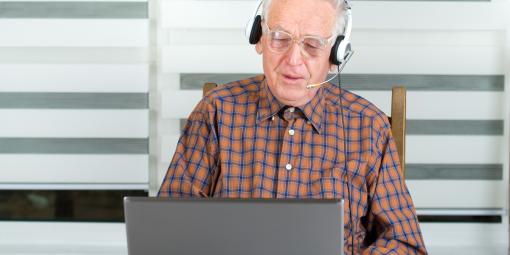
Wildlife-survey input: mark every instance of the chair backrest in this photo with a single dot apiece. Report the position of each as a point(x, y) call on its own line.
point(397, 119)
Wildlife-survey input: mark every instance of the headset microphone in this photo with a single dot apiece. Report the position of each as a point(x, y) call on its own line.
point(340, 68)
point(313, 85)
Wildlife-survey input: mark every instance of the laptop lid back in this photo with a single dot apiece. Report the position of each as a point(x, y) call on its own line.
point(234, 226)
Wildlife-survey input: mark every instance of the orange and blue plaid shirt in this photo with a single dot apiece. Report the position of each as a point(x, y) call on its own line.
point(263, 149)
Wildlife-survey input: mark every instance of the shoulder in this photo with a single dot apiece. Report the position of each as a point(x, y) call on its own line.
point(240, 91)
point(226, 97)
point(355, 105)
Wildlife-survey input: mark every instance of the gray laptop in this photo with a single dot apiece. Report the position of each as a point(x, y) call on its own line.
point(234, 226)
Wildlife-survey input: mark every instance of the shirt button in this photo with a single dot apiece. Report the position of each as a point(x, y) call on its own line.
point(291, 132)
point(288, 167)
point(291, 109)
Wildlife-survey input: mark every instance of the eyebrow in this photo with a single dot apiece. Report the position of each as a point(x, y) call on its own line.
point(279, 27)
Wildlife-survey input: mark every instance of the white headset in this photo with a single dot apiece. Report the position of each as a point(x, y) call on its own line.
point(341, 50)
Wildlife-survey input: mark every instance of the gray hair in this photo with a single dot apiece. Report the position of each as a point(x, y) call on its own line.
point(341, 8)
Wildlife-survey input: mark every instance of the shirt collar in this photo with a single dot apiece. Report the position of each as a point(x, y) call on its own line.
point(314, 110)
point(269, 106)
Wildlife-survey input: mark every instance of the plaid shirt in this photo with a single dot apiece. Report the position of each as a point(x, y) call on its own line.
point(268, 150)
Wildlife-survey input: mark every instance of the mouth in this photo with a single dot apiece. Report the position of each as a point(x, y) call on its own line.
point(292, 78)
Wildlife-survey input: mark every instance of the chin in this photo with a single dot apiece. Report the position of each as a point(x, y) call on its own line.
point(292, 86)
point(292, 96)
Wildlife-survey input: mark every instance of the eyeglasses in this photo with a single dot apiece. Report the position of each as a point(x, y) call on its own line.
point(280, 41)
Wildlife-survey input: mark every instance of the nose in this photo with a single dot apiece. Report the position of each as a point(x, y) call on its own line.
point(294, 54)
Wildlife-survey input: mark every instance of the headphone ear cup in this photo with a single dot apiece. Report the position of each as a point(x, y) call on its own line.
point(256, 30)
point(333, 57)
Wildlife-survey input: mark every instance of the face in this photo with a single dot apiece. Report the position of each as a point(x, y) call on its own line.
point(289, 73)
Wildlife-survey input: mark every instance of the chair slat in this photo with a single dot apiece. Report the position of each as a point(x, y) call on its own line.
point(398, 122)
point(208, 86)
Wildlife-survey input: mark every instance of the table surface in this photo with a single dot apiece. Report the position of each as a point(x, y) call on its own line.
point(115, 250)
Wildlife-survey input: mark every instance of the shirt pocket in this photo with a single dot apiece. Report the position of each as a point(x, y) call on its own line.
point(339, 182)
point(327, 183)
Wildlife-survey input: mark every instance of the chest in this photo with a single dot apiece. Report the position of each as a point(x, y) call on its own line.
point(287, 157)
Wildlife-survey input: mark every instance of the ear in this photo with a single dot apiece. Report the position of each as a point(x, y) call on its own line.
point(332, 67)
point(258, 47)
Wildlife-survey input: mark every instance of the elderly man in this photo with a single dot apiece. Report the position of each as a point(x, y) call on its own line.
point(274, 136)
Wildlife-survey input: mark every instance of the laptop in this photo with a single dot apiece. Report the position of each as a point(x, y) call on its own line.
point(234, 226)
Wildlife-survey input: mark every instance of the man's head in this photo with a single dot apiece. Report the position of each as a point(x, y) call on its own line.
point(296, 43)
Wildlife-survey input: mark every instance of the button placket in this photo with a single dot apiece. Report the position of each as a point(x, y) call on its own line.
point(290, 143)
point(286, 155)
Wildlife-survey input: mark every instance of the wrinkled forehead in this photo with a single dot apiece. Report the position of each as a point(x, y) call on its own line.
point(303, 17)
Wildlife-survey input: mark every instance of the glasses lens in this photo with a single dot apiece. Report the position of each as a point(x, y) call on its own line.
point(279, 41)
point(313, 46)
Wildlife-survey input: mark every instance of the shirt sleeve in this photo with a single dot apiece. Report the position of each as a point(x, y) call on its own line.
point(194, 162)
point(392, 220)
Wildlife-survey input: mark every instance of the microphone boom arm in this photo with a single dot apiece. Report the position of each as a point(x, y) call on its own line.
point(340, 68)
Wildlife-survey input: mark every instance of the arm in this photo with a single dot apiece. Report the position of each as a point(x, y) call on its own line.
point(194, 161)
point(392, 221)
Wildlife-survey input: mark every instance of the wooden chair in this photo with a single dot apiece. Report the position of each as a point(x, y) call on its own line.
point(397, 119)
